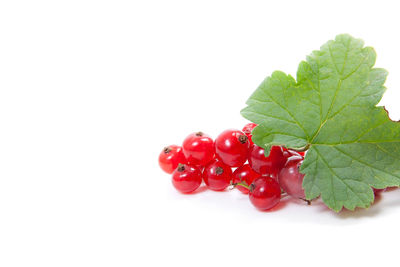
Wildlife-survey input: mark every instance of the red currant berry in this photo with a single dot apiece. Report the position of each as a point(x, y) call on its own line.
point(232, 147)
point(247, 129)
point(270, 165)
point(265, 193)
point(246, 175)
point(290, 179)
point(186, 178)
point(217, 175)
point(301, 153)
point(170, 157)
point(198, 149)
point(287, 153)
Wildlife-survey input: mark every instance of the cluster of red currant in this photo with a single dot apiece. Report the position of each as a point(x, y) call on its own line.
point(265, 179)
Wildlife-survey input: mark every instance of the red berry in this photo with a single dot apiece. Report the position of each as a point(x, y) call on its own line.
point(290, 179)
point(244, 174)
point(265, 193)
point(289, 152)
point(270, 165)
point(217, 175)
point(198, 149)
point(301, 153)
point(286, 152)
point(170, 157)
point(232, 147)
point(186, 178)
point(247, 129)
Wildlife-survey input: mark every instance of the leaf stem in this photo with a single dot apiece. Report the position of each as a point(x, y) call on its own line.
point(302, 149)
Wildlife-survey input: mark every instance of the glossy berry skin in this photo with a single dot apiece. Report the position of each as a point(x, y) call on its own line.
point(265, 193)
point(170, 157)
point(287, 153)
point(198, 149)
point(290, 179)
point(232, 147)
point(270, 165)
point(244, 174)
point(217, 175)
point(302, 153)
point(186, 178)
point(247, 131)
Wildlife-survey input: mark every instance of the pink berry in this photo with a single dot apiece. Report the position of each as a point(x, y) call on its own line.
point(290, 179)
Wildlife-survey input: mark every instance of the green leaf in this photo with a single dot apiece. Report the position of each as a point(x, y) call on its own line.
point(331, 110)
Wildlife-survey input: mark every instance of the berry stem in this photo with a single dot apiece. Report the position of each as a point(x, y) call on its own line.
point(284, 194)
point(302, 149)
point(306, 200)
point(241, 184)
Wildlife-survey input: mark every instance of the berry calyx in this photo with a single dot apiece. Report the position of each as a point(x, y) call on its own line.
point(265, 193)
point(290, 178)
point(243, 139)
point(170, 157)
point(231, 147)
point(217, 175)
point(269, 166)
point(247, 129)
point(198, 149)
point(186, 178)
point(244, 174)
point(219, 171)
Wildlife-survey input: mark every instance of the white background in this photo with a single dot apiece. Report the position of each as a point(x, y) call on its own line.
point(92, 90)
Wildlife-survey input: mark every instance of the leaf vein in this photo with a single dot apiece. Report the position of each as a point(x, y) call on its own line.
point(366, 164)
